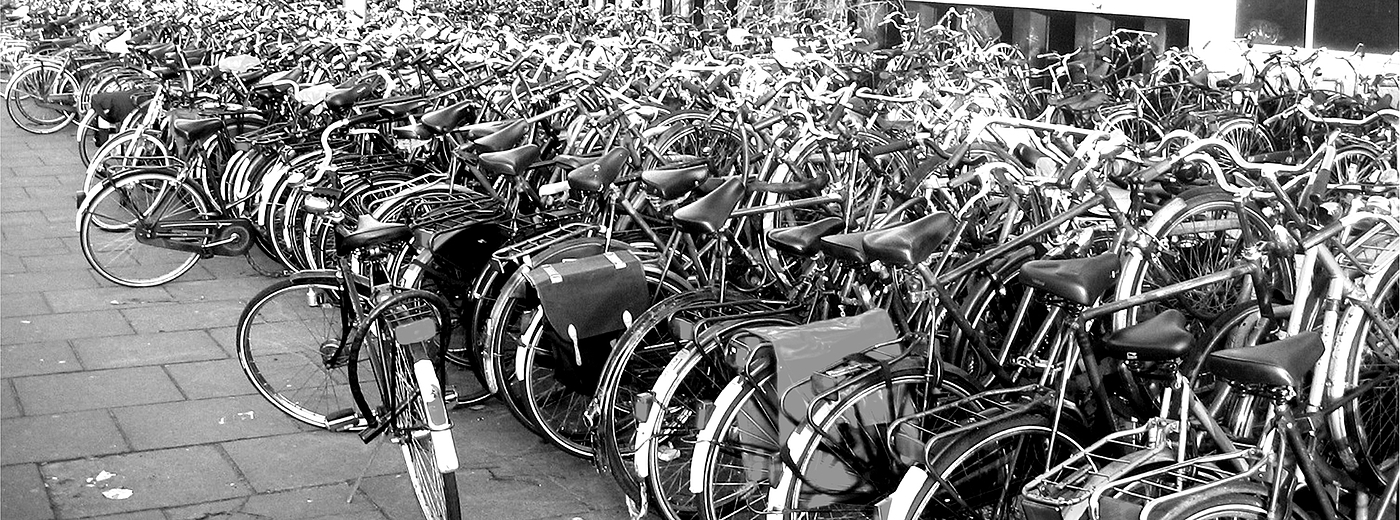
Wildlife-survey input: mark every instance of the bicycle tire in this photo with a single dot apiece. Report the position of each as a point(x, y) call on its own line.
point(1367, 427)
point(964, 462)
point(113, 211)
point(790, 497)
point(291, 373)
point(37, 83)
point(1212, 211)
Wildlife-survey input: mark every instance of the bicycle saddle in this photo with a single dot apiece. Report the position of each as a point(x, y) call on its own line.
point(401, 109)
point(1080, 280)
point(447, 119)
point(1161, 338)
point(672, 183)
point(510, 162)
point(156, 51)
point(802, 240)
point(505, 138)
point(909, 244)
point(191, 130)
point(251, 77)
point(576, 161)
point(847, 246)
point(368, 232)
point(414, 131)
point(341, 99)
point(708, 214)
point(597, 176)
point(479, 130)
point(1280, 363)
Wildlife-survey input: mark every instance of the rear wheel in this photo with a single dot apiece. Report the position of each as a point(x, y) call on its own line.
point(110, 220)
point(289, 341)
point(1370, 425)
point(35, 87)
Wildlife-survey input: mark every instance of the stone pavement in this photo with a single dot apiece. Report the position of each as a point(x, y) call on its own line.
point(105, 388)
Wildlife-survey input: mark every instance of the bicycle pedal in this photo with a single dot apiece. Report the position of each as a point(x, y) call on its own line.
point(344, 420)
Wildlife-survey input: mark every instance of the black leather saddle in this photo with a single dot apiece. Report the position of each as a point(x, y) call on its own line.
point(1162, 338)
point(673, 183)
point(368, 232)
point(502, 139)
point(479, 130)
point(345, 98)
point(802, 240)
point(401, 109)
point(510, 162)
point(1280, 363)
point(911, 243)
point(1080, 280)
point(191, 130)
point(598, 175)
point(708, 214)
point(846, 246)
point(447, 119)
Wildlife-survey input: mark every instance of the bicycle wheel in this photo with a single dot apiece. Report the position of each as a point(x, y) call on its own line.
point(1368, 428)
point(1196, 234)
point(558, 393)
point(125, 148)
point(980, 473)
point(696, 376)
point(89, 137)
point(730, 462)
point(35, 87)
point(289, 342)
point(1229, 502)
point(838, 465)
point(403, 334)
point(109, 221)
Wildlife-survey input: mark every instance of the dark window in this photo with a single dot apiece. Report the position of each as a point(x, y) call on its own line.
point(1278, 22)
point(1341, 24)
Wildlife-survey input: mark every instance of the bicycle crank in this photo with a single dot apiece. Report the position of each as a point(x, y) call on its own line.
point(208, 237)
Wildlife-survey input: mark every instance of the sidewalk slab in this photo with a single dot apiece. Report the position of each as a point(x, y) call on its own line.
point(157, 479)
point(205, 379)
point(49, 357)
point(104, 298)
point(23, 304)
point(309, 459)
point(9, 407)
point(147, 349)
point(58, 327)
point(69, 262)
point(183, 423)
point(312, 502)
point(46, 280)
point(151, 514)
point(92, 390)
point(43, 438)
point(22, 493)
point(183, 316)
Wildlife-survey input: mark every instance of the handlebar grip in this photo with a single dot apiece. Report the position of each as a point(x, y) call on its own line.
point(837, 112)
point(766, 123)
point(955, 160)
point(1152, 172)
point(519, 60)
point(611, 117)
point(333, 193)
point(897, 146)
point(766, 97)
point(603, 79)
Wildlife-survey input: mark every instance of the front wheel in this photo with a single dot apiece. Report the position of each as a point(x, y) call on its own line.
point(980, 473)
point(109, 221)
point(32, 89)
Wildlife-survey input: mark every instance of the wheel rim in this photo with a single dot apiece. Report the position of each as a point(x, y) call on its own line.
point(109, 237)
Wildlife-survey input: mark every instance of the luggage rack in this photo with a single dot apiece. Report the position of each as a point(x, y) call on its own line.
point(1065, 490)
point(928, 427)
point(1137, 494)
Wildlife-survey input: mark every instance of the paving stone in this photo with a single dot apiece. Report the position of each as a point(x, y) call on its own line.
point(42, 438)
point(13, 159)
point(9, 406)
point(18, 181)
point(23, 304)
point(394, 495)
point(73, 263)
point(225, 288)
point(312, 502)
point(216, 510)
point(10, 263)
point(308, 459)
point(157, 479)
point(205, 379)
point(147, 349)
point(102, 298)
point(95, 389)
point(43, 229)
point(58, 327)
point(224, 336)
point(185, 316)
point(15, 220)
point(41, 247)
point(49, 357)
point(22, 493)
point(58, 170)
point(35, 281)
point(202, 421)
point(150, 514)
